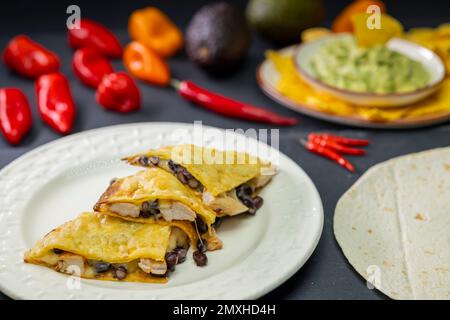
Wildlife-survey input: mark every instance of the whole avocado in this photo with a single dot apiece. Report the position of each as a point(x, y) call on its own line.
point(218, 37)
point(282, 21)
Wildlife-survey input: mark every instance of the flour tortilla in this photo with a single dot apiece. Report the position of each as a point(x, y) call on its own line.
point(393, 225)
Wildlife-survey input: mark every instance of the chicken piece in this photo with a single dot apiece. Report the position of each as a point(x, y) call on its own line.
point(125, 209)
point(176, 211)
point(153, 266)
point(70, 263)
point(212, 240)
point(267, 173)
point(224, 204)
point(178, 238)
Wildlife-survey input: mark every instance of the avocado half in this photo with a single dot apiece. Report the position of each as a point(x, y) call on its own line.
point(218, 37)
point(283, 21)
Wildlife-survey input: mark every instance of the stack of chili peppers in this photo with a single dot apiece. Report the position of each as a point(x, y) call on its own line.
point(155, 38)
point(333, 147)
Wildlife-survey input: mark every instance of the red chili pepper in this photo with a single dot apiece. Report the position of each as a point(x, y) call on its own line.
point(328, 153)
point(90, 66)
point(15, 114)
point(55, 102)
point(117, 91)
point(93, 34)
point(331, 144)
point(29, 58)
point(341, 140)
point(227, 106)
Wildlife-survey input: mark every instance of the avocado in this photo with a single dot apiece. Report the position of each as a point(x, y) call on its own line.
point(218, 37)
point(282, 21)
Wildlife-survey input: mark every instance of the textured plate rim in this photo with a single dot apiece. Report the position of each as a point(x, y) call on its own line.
point(251, 293)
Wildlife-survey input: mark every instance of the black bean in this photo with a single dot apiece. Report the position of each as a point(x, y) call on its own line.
point(57, 251)
point(173, 166)
point(145, 214)
point(171, 260)
point(251, 211)
point(154, 204)
point(143, 161)
point(193, 183)
point(248, 202)
point(200, 258)
point(181, 252)
point(187, 174)
point(258, 202)
point(218, 222)
point(155, 211)
point(181, 177)
point(202, 245)
point(202, 227)
point(145, 206)
point(245, 189)
point(201, 188)
point(154, 160)
point(119, 273)
point(101, 266)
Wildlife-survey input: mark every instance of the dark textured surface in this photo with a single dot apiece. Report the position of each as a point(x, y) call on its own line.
point(326, 275)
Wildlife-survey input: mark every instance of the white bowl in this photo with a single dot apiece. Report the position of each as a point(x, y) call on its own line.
point(426, 57)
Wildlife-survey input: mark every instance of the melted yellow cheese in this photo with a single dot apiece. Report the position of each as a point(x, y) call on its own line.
point(218, 171)
point(95, 236)
point(101, 237)
point(152, 184)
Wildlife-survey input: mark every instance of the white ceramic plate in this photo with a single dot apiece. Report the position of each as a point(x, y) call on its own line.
point(426, 57)
point(57, 181)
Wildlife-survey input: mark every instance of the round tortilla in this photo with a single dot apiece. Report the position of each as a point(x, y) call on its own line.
point(393, 225)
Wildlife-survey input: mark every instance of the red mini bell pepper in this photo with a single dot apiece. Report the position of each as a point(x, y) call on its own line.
point(55, 102)
point(90, 66)
point(93, 34)
point(118, 92)
point(15, 114)
point(29, 58)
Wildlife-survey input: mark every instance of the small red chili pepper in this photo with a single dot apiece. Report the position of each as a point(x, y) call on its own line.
point(15, 114)
point(96, 35)
point(328, 153)
point(29, 58)
point(331, 144)
point(341, 140)
point(90, 66)
point(227, 106)
point(55, 102)
point(117, 91)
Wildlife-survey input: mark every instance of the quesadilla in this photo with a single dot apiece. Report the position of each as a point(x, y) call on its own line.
point(102, 247)
point(155, 195)
point(228, 182)
point(393, 226)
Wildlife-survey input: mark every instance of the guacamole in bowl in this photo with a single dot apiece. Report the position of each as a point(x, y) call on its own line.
point(343, 64)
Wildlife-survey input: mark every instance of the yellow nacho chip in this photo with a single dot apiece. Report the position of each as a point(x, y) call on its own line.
point(370, 33)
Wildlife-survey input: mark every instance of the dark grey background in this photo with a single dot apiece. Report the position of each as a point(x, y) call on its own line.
point(326, 275)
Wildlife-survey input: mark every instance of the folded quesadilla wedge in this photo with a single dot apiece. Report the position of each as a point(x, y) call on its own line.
point(155, 195)
point(97, 246)
point(227, 181)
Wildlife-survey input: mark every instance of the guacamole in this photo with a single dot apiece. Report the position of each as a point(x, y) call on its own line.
point(344, 65)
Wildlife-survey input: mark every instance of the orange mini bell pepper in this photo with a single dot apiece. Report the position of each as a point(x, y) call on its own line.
point(343, 22)
point(154, 29)
point(145, 64)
